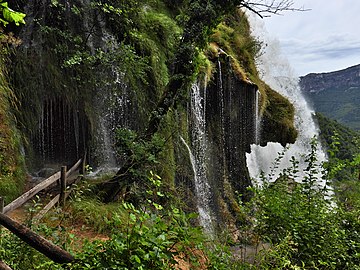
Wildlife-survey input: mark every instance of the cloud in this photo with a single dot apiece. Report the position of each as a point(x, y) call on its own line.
point(329, 51)
point(333, 47)
point(325, 38)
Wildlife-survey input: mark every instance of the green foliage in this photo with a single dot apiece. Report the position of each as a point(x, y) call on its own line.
point(347, 140)
point(11, 161)
point(143, 241)
point(20, 256)
point(137, 149)
point(9, 15)
point(151, 236)
point(155, 39)
point(157, 236)
point(343, 146)
point(234, 37)
point(17, 254)
point(305, 224)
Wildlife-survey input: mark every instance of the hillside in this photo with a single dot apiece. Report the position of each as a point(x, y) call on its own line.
point(167, 94)
point(335, 94)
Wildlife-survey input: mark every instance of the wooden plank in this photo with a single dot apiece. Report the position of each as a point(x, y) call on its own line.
point(82, 170)
point(38, 242)
point(32, 192)
point(46, 209)
point(62, 186)
point(73, 168)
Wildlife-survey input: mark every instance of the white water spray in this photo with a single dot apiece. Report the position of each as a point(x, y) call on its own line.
point(202, 191)
point(257, 118)
point(277, 73)
point(197, 155)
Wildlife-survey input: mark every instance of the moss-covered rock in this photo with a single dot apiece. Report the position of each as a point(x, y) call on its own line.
point(278, 120)
point(139, 59)
point(12, 167)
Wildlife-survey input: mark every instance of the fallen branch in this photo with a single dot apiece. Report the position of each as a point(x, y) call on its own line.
point(38, 242)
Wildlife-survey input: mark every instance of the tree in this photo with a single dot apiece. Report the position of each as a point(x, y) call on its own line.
point(265, 8)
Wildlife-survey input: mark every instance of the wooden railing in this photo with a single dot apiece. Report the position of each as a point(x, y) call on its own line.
point(31, 238)
point(60, 175)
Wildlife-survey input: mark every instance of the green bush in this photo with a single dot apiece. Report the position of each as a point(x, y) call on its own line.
point(307, 227)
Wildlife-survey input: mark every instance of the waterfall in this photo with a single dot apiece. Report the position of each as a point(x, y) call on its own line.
point(113, 107)
point(257, 119)
point(198, 142)
point(202, 192)
point(197, 155)
point(220, 89)
point(59, 137)
point(277, 73)
point(112, 102)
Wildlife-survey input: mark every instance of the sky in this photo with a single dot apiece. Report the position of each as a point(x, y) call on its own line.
point(325, 38)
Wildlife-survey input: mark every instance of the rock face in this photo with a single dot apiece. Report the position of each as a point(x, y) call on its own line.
point(335, 94)
point(230, 118)
point(78, 83)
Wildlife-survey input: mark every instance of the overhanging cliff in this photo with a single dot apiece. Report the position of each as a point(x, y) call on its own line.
point(83, 72)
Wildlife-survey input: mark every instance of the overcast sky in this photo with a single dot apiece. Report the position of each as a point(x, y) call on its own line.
point(326, 38)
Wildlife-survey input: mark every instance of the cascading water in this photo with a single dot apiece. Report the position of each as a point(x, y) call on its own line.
point(198, 142)
point(197, 155)
point(58, 137)
point(202, 190)
point(112, 102)
point(277, 73)
point(113, 113)
point(257, 119)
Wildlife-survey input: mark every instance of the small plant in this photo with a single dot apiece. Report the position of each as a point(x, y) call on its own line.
point(146, 237)
point(9, 15)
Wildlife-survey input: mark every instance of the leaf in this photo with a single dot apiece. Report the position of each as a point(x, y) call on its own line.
point(10, 15)
point(158, 206)
point(132, 217)
point(160, 194)
point(137, 259)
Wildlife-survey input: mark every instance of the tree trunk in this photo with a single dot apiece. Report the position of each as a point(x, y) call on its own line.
point(47, 248)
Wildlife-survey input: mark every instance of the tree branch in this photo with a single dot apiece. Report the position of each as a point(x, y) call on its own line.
point(270, 7)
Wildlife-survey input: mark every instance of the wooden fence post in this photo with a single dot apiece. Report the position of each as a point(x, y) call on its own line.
point(83, 165)
point(4, 266)
point(62, 186)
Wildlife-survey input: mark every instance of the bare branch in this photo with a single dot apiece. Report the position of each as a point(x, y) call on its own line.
point(266, 8)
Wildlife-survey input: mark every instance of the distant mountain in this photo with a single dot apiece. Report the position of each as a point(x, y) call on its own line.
point(335, 94)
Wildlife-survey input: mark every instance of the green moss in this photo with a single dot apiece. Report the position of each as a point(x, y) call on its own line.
point(155, 39)
point(12, 176)
point(278, 119)
point(205, 68)
point(233, 38)
point(167, 166)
